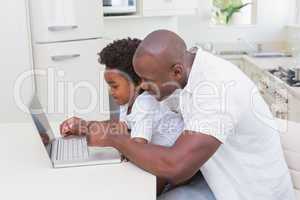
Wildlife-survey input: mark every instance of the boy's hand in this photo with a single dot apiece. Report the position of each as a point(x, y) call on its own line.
point(45, 138)
point(74, 126)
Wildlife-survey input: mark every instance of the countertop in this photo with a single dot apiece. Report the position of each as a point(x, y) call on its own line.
point(270, 63)
point(266, 64)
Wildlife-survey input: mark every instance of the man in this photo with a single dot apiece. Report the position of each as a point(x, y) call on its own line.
point(239, 155)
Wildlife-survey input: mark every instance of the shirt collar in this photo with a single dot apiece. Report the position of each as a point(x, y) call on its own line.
point(196, 74)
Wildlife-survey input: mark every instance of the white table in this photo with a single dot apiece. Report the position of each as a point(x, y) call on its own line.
point(26, 173)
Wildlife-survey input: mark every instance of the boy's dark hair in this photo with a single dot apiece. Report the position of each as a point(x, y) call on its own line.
point(119, 54)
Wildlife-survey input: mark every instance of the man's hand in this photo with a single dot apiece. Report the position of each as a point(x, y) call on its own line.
point(104, 133)
point(176, 164)
point(74, 126)
point(96, 134)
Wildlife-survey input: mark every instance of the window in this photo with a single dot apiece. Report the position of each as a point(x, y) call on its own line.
point(233, 12)
point(298, 11)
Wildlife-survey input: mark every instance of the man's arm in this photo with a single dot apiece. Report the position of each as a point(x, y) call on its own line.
point(176, 164)
point(160, 183)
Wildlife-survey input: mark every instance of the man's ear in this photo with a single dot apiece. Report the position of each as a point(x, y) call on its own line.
point(178, 71)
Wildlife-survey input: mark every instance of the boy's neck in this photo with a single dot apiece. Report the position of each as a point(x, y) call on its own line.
point(132, 100)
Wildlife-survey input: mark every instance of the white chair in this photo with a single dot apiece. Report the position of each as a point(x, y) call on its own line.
point(290, 140)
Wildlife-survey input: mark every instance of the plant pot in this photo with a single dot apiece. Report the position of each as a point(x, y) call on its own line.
point(241, 18)
point(237, 18)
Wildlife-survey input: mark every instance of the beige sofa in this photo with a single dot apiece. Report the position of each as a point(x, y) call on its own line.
point(290, 139)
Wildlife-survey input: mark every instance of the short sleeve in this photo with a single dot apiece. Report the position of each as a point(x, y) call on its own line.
point(143, 128)
point(208, 116)
point(143, 117)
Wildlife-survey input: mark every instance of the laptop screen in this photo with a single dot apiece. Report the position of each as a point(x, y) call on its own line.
point(42, 124)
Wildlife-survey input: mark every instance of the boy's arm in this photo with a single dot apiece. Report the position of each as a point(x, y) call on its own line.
point(78, 126)
point(109, 127)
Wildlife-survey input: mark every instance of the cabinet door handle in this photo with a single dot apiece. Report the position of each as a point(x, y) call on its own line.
point(64, 57)
point(62, 28)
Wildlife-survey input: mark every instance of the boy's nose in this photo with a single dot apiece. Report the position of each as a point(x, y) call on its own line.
point(111, 92)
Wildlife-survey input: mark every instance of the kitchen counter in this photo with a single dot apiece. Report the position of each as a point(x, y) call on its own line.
point(266, 64)
point(270, 63)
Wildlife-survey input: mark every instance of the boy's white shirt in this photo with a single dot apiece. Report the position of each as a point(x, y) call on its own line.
point(152, 121)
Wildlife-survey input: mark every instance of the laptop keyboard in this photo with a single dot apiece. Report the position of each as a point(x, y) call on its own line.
point(69, 149)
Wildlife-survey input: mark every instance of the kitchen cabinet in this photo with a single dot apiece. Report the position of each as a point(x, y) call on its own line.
point(282, 102)
point(70, 81)
point(169, 7)
point(57, 20)
point(274, 93)
point(67, 35)
point(294, 108)
point(253, 72)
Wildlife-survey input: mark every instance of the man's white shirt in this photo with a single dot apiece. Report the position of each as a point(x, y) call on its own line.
point(221, 101)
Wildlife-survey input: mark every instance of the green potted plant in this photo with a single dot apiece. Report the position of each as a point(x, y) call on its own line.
point(224, 10)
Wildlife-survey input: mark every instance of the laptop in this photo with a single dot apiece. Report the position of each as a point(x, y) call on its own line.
point(71, 151)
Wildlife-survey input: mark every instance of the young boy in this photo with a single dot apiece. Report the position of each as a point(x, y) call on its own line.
point(147, 120)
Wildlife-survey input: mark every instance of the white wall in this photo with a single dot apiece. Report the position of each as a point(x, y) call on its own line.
point(293, 35)
point(272, 16)
point(137, 27)
point(15, 59)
